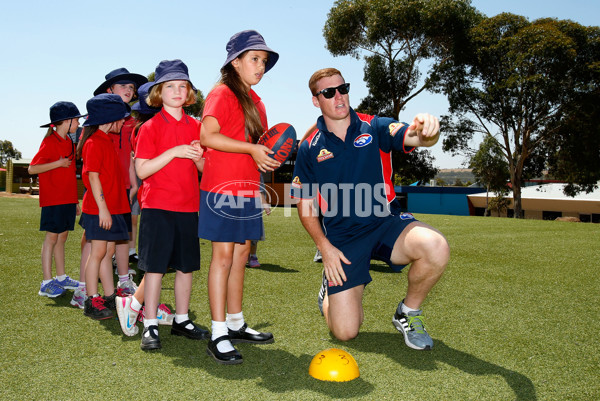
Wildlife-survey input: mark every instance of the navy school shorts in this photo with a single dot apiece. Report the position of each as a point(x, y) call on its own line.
point(229, 218)
point(93, 231)
point(373, 244)
point(168, 239)
point(58, 218)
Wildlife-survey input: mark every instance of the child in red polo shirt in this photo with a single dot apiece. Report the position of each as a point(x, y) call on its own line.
point(105, 202)
point(54, 162)
point(167, 158)
point(125, 84)
point(230, 213)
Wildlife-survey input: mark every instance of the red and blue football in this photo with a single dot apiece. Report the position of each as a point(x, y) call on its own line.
point(281, 139)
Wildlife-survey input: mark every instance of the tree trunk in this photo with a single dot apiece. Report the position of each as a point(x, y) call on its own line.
point(517, 182)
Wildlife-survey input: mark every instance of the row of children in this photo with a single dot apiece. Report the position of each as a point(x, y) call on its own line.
point(170, 148)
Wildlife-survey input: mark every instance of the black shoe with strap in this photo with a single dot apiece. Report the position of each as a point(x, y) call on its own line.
point(150, 339)
point(195, 333)
point(225, 358)
point(242, 336)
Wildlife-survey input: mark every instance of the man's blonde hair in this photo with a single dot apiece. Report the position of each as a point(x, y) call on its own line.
point(320, 74)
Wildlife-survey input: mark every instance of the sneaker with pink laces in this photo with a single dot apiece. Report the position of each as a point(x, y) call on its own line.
point(127, 315)
point(163, 314)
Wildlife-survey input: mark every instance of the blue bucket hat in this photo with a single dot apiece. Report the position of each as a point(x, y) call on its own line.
point(171, 70)
point(120, 76)
point(249, 40)
point(105, 108)
point(60, 111)
point(141, 106)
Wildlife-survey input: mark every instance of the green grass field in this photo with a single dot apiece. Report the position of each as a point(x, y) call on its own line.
point(516, 316)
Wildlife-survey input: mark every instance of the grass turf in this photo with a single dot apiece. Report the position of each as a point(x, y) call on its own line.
point(514, 317)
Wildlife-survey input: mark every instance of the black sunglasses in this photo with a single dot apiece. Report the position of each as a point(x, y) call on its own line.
point(328, 93)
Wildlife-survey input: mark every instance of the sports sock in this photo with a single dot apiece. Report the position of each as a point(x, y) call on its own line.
point(131, 251)
point(235, 321)
point(135, 304)
point(61, 277)
point(219, 329)
point(44, 282)
point(81, 286)
point(124, 278)
point(150, 322)
point(402, 308)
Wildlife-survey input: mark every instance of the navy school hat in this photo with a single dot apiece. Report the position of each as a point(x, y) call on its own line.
point(120, 76)
point(105, 108)
point(171, 70)
point(249, 40)
point(141, 106)
point(60, 111)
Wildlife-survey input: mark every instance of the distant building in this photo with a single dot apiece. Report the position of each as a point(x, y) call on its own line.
point(546, 202)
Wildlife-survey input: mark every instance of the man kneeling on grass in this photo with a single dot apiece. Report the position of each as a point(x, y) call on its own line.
point(346, 165)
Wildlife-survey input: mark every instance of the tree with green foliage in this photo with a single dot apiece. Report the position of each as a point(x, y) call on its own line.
point(521, 81)
point(491, 169)
point(8, 151)
point(412, 167)
point(399, 39)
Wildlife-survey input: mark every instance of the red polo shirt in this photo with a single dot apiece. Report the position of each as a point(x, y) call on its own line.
point(59, 185)
point(122, 144)
point(175, 186)
point(224, 172)
point(99, 156)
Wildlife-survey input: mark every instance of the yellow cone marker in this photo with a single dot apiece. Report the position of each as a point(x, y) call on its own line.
point(333, 365)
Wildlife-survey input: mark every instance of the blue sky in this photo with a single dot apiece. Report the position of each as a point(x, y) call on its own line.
point(61, 51)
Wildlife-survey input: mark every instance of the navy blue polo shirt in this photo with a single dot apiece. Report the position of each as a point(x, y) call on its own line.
point(351, 179)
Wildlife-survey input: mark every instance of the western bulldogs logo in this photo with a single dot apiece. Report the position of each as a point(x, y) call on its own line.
point(363, 140)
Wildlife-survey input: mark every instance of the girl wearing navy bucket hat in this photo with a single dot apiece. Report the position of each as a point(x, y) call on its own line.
point(125, 84)
point(168, 157)
point(55, 165)
point(230, 209)
point(105, 201)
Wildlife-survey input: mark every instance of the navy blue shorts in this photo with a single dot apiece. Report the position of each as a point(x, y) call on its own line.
point(58, 218)
point(93, 231)
point(229, 218)
point(168, 239)
point(377, 243)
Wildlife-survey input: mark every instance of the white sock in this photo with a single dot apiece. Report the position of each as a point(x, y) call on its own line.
point(405, 309)
point(61, 277)
point(219, 329)
point(131, 251)
point(182, 318)
point(135, 304)
point(81, 286)
point(123, 278)
point(150, 322)
point(235, 321)
point(44, 282)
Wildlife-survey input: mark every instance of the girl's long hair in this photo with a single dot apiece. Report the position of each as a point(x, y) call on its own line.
point(87, 132)
point(230, 77)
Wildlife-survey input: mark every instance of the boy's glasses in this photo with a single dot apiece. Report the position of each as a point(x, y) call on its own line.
point(328, 93)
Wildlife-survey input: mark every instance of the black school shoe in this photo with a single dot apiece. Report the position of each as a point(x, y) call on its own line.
point(225, 358)
point(150, 339)
point(196, 333)
point(241, 336)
